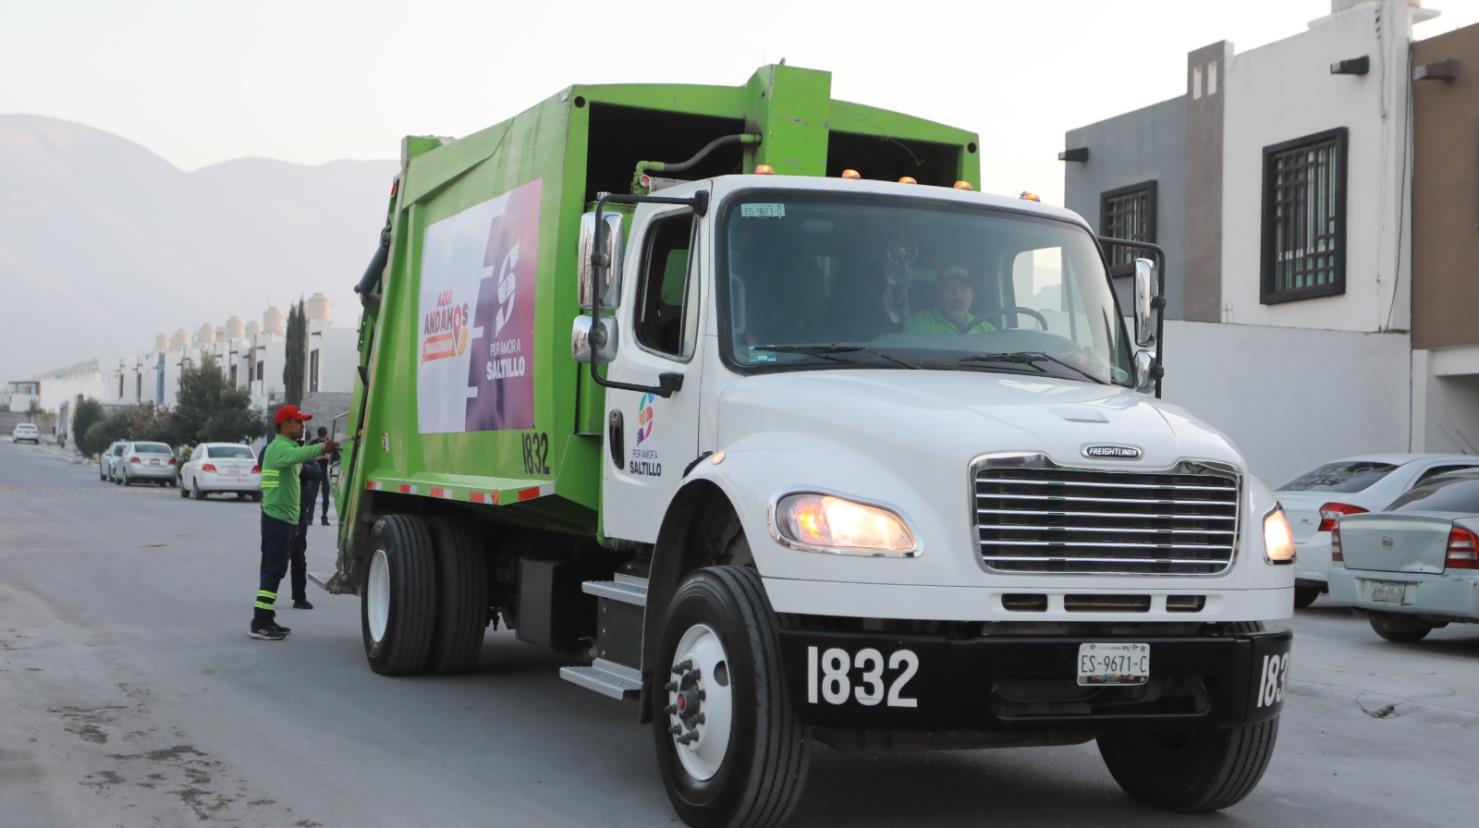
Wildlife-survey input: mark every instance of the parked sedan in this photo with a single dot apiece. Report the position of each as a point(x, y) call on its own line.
point(108, 460)
point(145, 462)
point(25, 433)
point(1415, 566)
point(221, 468)
point(1317, 499)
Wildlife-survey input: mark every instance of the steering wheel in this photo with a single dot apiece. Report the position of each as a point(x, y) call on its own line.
point(999, 312)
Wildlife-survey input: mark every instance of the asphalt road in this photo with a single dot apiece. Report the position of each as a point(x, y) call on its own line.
point(131, 696)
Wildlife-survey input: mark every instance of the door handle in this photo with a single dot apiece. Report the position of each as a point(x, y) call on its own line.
point(616, 439)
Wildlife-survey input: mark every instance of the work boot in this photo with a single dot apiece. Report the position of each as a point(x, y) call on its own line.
point(266, 634)
point(326, 521)
point(301, 603)
point(278, 628)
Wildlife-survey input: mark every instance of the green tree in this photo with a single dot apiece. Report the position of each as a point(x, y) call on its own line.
point(102, 433)
point(88, 411)
point(297, 355)
point(208, 409)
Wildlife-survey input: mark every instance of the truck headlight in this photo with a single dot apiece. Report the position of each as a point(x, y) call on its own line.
point(1278, 538)
point(817, 522)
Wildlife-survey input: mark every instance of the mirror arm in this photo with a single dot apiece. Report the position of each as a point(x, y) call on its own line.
point(601, 265)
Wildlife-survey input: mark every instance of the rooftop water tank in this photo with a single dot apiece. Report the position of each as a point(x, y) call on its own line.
point(273, 321)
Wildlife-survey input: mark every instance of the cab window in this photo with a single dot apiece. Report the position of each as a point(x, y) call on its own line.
point(667, 313)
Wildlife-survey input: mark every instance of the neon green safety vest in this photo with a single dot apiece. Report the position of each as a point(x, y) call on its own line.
point(280, 486)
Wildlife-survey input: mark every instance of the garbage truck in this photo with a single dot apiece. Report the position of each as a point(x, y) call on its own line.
point(749, 402)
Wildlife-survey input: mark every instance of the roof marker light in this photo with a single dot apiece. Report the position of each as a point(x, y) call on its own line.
point(851, 174)
point(1029, 196)
point(764, 169)
point(963, 185)
point(908, 179)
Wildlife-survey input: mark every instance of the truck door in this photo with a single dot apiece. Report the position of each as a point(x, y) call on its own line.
point(651, 439)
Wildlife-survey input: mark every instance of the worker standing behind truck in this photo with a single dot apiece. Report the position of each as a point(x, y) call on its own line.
point(280, 511)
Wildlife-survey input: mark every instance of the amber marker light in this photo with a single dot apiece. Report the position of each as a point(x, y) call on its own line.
point(1028, 196)
point(908, 179)
point(764, 169)
point(963, 185)
point(851, 174)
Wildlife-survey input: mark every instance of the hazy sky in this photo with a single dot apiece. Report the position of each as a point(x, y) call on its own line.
point(200, 81)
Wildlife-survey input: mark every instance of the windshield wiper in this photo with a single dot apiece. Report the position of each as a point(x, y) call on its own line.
point(827, 351)
point(1031, 358)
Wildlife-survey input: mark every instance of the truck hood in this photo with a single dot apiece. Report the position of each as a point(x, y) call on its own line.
point(960, 414)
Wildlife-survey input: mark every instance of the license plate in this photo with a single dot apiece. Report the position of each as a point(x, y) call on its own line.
point(153, 462)
point(1113, 664)
point(1388, 592)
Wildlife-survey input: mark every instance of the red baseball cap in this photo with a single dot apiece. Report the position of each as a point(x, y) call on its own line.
point(290, 412)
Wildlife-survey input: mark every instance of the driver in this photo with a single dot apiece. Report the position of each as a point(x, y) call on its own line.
point(952, 311)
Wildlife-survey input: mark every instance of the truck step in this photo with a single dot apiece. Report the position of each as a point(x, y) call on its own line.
point(608, 678)
point(626, 589)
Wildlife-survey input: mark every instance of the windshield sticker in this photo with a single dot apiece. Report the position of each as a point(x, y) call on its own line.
point(765, 211)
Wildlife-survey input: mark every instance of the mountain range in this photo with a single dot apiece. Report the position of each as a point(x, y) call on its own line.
point(104, 244)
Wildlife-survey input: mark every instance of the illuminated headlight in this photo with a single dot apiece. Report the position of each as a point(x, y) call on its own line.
point(826, 523)
point(1278, 538)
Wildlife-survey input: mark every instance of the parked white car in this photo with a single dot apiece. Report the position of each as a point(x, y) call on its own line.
point(1415, 566)
point(1316, 500)
point(108, 460)
point(221, 468)
point(144, 462)
point(25, 433)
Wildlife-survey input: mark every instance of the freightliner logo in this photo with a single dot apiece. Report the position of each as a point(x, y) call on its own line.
point(1113, 452)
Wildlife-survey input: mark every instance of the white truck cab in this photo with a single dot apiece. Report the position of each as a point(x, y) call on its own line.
point(970, 520)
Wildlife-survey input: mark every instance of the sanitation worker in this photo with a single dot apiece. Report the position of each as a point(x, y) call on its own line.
point(952, 311)
point(280, 511)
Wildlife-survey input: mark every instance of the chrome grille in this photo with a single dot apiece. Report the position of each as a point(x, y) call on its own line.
point(1035, 516)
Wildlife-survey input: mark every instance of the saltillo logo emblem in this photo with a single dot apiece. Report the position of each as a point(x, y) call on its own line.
point(1111, 452)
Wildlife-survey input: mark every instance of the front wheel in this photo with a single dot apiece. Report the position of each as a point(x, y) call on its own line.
point(1190, 771)
point(729, 746)
point(1399, 629)
point(1304, 596)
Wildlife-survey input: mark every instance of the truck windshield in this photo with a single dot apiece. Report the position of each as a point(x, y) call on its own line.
point(821, 281)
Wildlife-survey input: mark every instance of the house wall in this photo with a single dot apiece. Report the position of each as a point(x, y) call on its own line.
point(1445, 200)
point(1148, 144)
point(1284, 91)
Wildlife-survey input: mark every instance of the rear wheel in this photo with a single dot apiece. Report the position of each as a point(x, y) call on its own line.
point(398, 596)
point(1304, 596)
point(195, 490)
point(1190, 771)
point(729, 746)
point(462, 592)
point(184, 492)
point(1398, 628)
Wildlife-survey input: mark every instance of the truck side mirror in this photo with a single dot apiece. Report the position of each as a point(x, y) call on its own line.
point(593, 339)
point(1144, 371)
point(1146, 288)
point(610, 289)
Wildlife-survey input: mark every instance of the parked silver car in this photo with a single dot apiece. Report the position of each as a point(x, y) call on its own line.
point(1415, 566)
point(145, 461)
point(1317, 499)
point(108, 459)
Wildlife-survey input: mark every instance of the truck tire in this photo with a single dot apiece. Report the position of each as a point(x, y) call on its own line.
point(398, 597)
point(1304, 596)
point(1191, 771)
point(1398, 629)
point(719, 659)
point(462, 584)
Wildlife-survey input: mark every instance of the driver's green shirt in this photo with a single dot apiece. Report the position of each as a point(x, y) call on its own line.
point(933, 322)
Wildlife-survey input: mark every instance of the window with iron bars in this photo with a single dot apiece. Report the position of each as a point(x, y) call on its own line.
point(1127, 213)
point(1304, 218)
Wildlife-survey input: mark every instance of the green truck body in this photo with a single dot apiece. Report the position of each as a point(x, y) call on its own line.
point(559, 155)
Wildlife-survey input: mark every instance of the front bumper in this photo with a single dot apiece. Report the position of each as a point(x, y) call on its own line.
point(1439, 596)
point(1026, 683)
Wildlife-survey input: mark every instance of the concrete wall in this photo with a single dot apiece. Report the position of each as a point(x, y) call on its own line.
point(1206, 84)
point(338, 355)
point(1284, 91)
point(1445, 400)
point(1274, 392)
point(1148, 144)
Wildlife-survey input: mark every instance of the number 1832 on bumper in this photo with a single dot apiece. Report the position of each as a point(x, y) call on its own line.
point(1101, 665)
